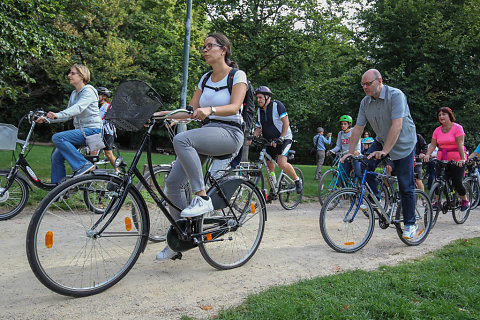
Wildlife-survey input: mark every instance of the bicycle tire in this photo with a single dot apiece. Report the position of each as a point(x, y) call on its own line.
point(287, 194)
point(327, 185)
point(441, 202)
point(461, 216)
point(159, 224)
point(65, 254)
point(423, 217)
point(474, 185)
point(339, 231)
point(225, 242)
point(15, 198)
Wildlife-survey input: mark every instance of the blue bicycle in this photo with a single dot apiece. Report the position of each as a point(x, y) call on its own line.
point(335, 178)
point(348, 215)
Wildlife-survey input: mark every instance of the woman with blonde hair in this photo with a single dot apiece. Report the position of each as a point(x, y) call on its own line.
point(83, 108)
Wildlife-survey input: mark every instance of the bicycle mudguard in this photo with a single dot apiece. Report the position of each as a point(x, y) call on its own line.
point(21, 177)
point(228, 186)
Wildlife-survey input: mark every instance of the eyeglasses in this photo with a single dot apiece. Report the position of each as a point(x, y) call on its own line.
point(368, 84)
point(209, 46)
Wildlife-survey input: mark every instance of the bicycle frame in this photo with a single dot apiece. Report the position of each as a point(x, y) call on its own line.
point(366, 190)
point(22, 163)
point(127, 183)
point(343, 175)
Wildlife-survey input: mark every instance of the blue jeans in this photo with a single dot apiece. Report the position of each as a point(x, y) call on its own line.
point(66, 144)
point(406, 181)
point(347, 166)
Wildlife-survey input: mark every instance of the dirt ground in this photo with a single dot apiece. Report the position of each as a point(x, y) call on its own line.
point(292, 249)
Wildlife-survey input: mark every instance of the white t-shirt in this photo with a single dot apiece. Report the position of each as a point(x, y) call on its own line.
point(212, 98)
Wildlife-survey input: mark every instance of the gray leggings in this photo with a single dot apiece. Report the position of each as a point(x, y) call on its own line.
point(192, 148)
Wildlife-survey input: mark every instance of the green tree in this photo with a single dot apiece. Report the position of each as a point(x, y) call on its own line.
point(430, 50)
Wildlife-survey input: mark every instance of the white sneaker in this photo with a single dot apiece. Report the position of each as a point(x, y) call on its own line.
point(197, 207)
point(166, 254)
point(409, 231)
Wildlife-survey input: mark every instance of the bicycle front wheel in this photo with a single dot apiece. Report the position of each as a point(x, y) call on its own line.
point(329, 182)
point(64, 249)
point(460, 216)
point(159, 224)
point(15, 198)
point(287, 194)
point(230, 236)
point(423, 219)
point(439, 199)
point(346, 223)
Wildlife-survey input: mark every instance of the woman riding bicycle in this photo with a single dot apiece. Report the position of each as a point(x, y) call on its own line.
point(83, 108)
point(343, 143)
point(450, 138)
point(221, 135)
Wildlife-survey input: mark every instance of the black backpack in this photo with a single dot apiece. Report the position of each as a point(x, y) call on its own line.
point(248, 110)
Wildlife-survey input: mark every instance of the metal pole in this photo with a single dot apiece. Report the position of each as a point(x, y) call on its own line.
point(186, 56)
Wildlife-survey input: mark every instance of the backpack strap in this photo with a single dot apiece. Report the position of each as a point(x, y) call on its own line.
point(204, 83)
point(231, 74)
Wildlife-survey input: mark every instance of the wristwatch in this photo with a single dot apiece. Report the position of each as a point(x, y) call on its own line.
point(213, 111)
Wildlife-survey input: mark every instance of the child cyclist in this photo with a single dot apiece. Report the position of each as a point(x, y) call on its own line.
point(343, 143)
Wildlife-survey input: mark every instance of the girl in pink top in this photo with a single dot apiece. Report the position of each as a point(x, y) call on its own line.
point(450, 139)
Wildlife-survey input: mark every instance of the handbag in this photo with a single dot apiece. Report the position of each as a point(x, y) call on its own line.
point(313, 151)
point(94, 141)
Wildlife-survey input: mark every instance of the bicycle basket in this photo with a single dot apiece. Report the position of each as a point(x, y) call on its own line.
point(133, 104)
point(8, 136)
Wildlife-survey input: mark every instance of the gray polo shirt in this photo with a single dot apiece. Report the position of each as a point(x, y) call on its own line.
point(390, 105)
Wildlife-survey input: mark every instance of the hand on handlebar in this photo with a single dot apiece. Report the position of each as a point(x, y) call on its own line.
point(345, 157)
point(377, 155)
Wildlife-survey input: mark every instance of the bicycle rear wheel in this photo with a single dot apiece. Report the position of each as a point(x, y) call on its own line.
point(63, 248)
point(231, 236)
point(159, 224)
point(287, 194)
point(423, 219)
point(346, 224)
point(328, 184)
point(461, 216)
point(15, 198)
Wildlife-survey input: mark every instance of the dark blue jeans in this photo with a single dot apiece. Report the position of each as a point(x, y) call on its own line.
point(347, 166)
point(406, 181)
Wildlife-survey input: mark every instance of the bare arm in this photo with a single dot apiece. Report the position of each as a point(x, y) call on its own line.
point(430, 149)
point(461, 150)
point(238, 94)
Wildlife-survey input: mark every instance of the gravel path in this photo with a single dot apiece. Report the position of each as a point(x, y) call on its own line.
point(292, 249)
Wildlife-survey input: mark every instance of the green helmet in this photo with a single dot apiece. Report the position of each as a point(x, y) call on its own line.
point(346, 118)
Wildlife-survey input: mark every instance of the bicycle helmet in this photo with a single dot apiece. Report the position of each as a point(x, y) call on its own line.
point(346, 118)
point(264, 90)
point(367, 140)
point(104, 91)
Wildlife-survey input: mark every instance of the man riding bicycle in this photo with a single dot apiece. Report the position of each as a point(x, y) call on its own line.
point(387, 111)
point(273, 124)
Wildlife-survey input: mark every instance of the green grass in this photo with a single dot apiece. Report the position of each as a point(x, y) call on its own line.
point(442, 285)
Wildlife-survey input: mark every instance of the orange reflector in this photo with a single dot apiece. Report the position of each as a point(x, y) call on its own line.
point(49, 239)
point(128, 223)
point(252, 208)
point(420, 232)
point(349, 243)
point(209, 237)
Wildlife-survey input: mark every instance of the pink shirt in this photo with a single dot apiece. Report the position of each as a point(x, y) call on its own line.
point(448, 141)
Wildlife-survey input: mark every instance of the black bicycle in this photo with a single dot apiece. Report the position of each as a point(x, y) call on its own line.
point(74, 251)
point(444, 198)
point(472, 178)
point(282, 189)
